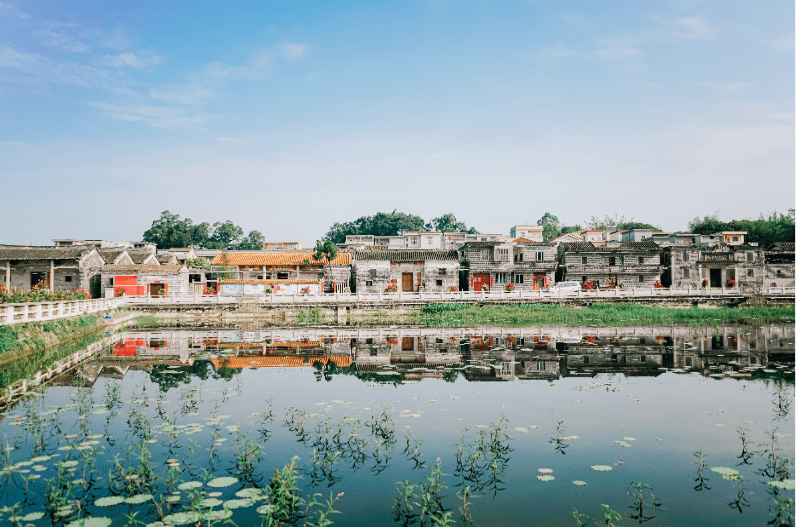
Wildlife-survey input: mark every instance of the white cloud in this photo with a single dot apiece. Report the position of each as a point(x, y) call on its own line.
point(130, 59)
point(186, 94)
point(236, 140)
point(258, 66)
point(617, 48)
point(61, 40)
point(685, 27)
point(155, 116)
point(292, 51)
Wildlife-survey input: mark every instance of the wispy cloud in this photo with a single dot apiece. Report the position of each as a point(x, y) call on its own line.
point(185, 94)
point(617, 47)
point(156, 116)
point(560, 50)
point(236, 140)
point(259, 65)
point(141, 59)
point(684, 27)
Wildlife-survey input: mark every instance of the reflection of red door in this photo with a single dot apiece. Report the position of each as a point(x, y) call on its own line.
point(479, 281)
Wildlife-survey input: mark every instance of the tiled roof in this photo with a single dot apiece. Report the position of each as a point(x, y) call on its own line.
point(110, 255)
point(526, 241)
point(139, 256)
point(141, 268)
point(165, 258)
point(48, 252)
point(639, 245)
point(273, 281)
point(577, 246)
point(279, 259)
point(788, 247)
point(278, 362)
point(408, 255)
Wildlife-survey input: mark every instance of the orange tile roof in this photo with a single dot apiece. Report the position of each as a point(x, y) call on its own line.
point(278, 362)
point(240, 345)
point(273, 281)
point(292, 344)
point(279, 259)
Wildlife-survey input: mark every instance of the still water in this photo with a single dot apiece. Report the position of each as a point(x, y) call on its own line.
point(664, 425)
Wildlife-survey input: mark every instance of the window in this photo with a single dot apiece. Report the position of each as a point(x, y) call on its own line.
point(442, 271)
point(750, 257)
point(368, 341)
point(439, 341)
point(439, 283)
point(368, 283)
point(688, 361)
point(583, 260)
point(640, 278)
point(67, 278)
point(584, 278)
point(500, 278)
point(685, 256)
point(686, 273)
point(585, 360)
point(483, 239)
point(519, 279)
point(641, 259)
point(750, 273)
point(539, 256)
point(282, 275)
point(612, 260)
point(735, 238)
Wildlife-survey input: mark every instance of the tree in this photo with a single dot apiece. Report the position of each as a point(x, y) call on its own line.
point(171, 231)
point(225, 235)
point(253, 242)
point(325, 249)
point(381, 224)
point(551, 227)
point(619, 223)
point(568, 229)
point(763, 231)
point(448, 223)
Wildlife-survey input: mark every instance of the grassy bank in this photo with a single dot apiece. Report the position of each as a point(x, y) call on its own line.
point(612, 315)
point(35, 337)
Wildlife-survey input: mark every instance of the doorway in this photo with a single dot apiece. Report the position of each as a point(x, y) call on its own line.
point(479, 281)
point(157, 289)
point(36, 277)
point(539, 282)
point(715, 277)
point(406, 282)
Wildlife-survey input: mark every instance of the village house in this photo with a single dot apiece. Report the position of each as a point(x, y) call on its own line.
point(529, 232)
point(335, 275)
point(627, 264)
point(65, 268)
point(592, 235)
point(489, 265)
point(779, 263)
point(116, 256)
point(535, 264)
point(144, 279)
point(143, 257)
point(180, 254)
point(406, 270)
point(637, 235)
point(167, 259)
point(281, 246)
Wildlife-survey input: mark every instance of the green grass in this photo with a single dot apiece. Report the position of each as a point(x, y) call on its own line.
point(37, 336)
point(310, 316)
point(613, 315)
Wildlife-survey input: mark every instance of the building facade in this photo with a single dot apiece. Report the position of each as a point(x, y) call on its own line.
point(626, 264)
point(406, 270)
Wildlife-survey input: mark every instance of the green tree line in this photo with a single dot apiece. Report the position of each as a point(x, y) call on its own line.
point(170, 230)
point(394, 224)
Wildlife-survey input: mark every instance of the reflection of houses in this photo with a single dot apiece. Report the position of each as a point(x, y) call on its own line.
point(334, 275)
point(407, 270)
point(626, 264)
point(278, 287)
point(780, 266)
point(65, 268)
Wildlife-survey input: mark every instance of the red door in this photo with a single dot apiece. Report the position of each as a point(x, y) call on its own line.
point(479, 281)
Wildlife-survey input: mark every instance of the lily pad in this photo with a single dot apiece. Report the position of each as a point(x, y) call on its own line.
point(725, 471)
point(579, 483)
point(98, 521)
point(239, 504)
point(210, 502)
point(189, 485)
point(181, 518)
point(787, 484)
point(32, 516)
point(545, 477)
point(249, 493)
point(602, 468)
point(138, 498)
point(521, 429)
point(265, 509)
point(222, 482)
point(221, 514)
point(109, 501)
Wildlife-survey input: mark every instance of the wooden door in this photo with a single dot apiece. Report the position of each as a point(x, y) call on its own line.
point(406, 282)
point(407, 344)
point(480, 280)
point(538, 282)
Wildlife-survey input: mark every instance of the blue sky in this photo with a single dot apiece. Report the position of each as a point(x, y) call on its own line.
point(287, 116)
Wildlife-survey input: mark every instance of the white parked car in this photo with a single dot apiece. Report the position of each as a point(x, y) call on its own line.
point(566, 287)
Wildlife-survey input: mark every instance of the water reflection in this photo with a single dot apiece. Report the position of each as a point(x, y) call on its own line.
point(404, 355)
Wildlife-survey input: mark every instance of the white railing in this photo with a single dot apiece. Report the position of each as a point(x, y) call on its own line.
point(630, 292)
point(43, 311)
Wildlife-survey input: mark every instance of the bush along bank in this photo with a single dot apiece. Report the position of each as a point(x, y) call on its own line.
point(33, 337)
point(610, 315)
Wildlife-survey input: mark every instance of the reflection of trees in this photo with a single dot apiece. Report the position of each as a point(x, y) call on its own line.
point(782, 402)
point(481, 460)
point(167, 378)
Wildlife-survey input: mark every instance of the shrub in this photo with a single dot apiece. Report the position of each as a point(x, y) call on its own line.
point(392, 288)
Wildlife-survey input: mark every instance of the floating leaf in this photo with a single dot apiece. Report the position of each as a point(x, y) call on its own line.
point(629, 438)
point(787, 484)
point(214, 494)
point(239, 504)
point(221, 514)
point(249, 493)
point(98, 521)
point(181, 518)
point(32, 516)
point(725, 471)
point(210, 502)
point(602, 468)
point(546, 470)
point(521, 429)
point(222, 482)
point(189, 485)
point(138, 498)
point(579, 483)
point(109, 501)
point(545, 477)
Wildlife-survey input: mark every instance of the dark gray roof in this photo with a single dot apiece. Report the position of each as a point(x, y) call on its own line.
point(787, 247)
point(156, 269)
point(48, 252)
point(621, 247)
point(166, 258)
point(139, 256)
point(576, 246)
point(411, 255)
point(109, 255)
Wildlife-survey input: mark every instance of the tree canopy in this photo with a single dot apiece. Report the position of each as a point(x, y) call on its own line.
point(765, 230)
point(170, 231)
point(393, 224)
point(620, 223)
point(551, 226)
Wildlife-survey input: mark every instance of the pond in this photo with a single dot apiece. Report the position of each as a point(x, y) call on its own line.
point(550, 426)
